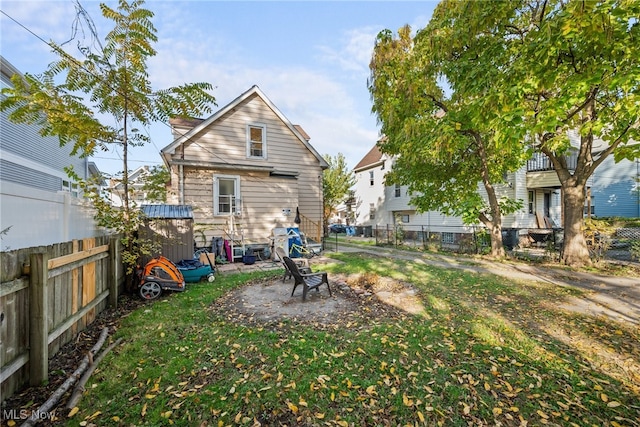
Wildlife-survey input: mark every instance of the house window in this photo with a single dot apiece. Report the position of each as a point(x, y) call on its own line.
point(397, 190)
point(532, 202)
point(257, 141)
point(70, 187)
point(405, 219)
point(372, 211)
point(226, 195)
point(590, 206)
point(371, 178)
point(448, 238)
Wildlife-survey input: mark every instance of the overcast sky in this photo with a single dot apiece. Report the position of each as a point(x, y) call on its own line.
point(309, 58)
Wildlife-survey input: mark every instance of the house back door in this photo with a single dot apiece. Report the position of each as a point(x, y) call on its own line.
point(547, 205)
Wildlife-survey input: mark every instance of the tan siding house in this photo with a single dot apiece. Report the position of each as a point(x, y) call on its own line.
point(245, 170)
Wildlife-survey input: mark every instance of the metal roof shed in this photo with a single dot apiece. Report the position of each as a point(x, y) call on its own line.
point(171, 226)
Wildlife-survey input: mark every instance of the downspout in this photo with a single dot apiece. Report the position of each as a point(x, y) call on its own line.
point(181, 176)
point(181, 184)
point(321, 225)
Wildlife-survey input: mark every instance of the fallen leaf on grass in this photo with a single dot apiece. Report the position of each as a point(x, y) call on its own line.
point(292, 407)
point(406, 400)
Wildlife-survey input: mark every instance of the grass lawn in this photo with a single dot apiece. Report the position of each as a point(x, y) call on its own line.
point(484, 351)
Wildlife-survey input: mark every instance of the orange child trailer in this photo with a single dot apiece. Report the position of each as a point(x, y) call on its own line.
point(158, 275)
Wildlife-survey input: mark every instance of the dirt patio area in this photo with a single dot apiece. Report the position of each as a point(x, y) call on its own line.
point(353, 298)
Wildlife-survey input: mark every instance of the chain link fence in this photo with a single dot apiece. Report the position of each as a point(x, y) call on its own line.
point(621, 244)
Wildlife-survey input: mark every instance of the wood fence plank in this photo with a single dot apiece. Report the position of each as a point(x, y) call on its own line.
point(66, 259)
point(74, 291)
point(89, 279)
point(9, 348)
point(113, 271)
point(38, 320)
point(74, 319)
point(13, 286)
point(13, 366)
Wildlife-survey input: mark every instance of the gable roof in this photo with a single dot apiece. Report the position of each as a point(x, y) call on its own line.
point(254, 90)
point(372, 158)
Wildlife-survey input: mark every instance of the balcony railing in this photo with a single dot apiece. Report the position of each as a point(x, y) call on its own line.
point(540, 162)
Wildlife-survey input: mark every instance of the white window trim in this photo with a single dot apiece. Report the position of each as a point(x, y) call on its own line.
point(531, 202)
point(264, 140)
point(216, 192)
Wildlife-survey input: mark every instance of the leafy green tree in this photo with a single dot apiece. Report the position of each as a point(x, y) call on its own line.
point(69, 98)
point(155, 184)
point(575, 68)
point(524, 74)
point(337, 180)
point(442, 142)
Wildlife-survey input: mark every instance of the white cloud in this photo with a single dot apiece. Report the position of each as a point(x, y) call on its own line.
point(328, 98)
point(353, 52)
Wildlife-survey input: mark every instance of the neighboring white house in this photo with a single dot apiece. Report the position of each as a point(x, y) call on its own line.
point(340, 215)
point(39, 203)
point(137, 193)
point(613, 192)
point(377, 204)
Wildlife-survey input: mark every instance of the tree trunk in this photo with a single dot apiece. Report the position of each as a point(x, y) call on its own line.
point(494, 224)
point(575, 252)
point(497, 247)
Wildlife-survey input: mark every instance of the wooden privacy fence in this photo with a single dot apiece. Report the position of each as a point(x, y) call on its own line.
point(48, 295)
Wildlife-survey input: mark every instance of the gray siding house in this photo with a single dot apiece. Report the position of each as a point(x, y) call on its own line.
point(39, 204)
point(616, 189)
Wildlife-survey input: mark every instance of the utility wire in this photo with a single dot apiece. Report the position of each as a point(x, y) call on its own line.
point(57, 49)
